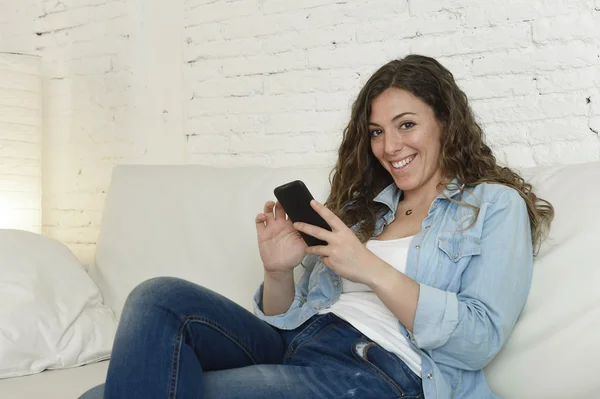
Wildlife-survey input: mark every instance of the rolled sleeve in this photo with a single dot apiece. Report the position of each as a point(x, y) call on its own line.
point(436, 317)
point(275, 320)
point(467, 329)
point(301, 290)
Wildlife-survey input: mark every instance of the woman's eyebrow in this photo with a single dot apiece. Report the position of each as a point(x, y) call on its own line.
point(395, 118)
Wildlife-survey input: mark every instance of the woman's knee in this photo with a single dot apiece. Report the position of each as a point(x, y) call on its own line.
point(157, 291)
point(153, 289)
point(164, 292)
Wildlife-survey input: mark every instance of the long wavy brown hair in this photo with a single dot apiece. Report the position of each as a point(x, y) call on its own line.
point(358, 176)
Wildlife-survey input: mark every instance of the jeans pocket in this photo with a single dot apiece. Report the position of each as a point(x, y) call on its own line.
point(388, 367)
point(311, 330)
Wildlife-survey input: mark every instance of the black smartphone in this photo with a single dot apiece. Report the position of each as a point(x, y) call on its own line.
point(295, 199)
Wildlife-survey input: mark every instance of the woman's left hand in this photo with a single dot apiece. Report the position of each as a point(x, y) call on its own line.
point(344, 254)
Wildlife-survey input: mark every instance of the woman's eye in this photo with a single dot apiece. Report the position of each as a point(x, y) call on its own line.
point(375, 133)
point(407, 125)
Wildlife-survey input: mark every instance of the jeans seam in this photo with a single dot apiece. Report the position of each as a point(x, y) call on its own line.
point(175, 361)
point(227, 333)
point(313, 339)
point(289, 349)
point(292, 351)
point(379, 373)
point(365, 361)
point(179, 339)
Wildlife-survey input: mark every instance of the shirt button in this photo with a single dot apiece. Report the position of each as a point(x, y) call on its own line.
point(417, 246)
point(336, 282)
point(430, 376)
point(426, 227)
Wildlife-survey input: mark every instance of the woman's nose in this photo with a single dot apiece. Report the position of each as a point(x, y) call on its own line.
point(392, 144)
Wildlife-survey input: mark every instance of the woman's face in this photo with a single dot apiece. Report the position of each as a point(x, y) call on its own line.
point(405, 138)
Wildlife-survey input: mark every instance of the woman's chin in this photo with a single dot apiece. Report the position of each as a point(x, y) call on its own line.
point(405, 183)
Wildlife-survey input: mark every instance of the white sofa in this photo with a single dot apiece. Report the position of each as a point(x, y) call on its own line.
point(197, 223)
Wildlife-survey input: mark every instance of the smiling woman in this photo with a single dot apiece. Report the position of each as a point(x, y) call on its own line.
point(427, 267)
point(405, 142)
point(413, 106)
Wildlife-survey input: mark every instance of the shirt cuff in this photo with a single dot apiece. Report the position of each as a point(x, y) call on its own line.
point(436, 317)
point(275, 320)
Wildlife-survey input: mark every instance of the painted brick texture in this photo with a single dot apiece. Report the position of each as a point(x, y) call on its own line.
point(289, 71)
point(270, 82)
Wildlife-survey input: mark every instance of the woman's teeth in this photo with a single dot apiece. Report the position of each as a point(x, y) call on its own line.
point(404, 162)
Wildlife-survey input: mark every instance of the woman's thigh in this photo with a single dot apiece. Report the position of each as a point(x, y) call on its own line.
point(172, 331)
point(293, 382)
point(330, 343)
point(286, 382)
point(221, 333)
point(326, 358)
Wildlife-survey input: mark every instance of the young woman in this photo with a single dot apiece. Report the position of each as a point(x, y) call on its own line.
point(424, 275)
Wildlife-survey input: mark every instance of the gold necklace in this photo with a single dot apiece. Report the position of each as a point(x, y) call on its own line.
point(408, 211)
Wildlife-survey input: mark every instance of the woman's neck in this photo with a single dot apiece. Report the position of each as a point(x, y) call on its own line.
point(425, 194)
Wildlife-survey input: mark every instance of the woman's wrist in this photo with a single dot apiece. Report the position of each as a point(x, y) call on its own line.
point(278, 292)
point(279, 276)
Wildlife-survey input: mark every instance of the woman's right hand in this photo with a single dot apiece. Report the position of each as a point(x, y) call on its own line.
point(280, 245)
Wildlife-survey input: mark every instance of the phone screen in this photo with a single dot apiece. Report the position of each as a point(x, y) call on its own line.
point(295, 199)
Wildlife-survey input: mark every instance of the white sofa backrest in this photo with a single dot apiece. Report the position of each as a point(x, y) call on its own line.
point(554, 349)
point(194, 222)
point(197, 223)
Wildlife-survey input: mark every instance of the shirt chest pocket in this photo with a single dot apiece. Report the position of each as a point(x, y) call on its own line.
point(455, 251)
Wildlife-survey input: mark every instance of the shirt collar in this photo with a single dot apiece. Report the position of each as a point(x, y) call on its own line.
point(390, 196)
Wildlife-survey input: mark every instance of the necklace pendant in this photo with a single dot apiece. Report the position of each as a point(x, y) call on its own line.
point(408, 212)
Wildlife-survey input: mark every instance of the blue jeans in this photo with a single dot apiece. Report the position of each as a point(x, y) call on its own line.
point(179, 340)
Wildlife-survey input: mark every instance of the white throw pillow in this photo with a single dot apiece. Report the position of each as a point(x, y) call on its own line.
point(51, 312)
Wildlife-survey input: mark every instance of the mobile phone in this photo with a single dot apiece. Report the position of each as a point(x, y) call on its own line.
point(295, 199)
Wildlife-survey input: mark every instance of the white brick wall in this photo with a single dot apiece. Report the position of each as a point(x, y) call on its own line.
point(17, 32)
point(270, 82)
point(289, 71)
point(20, 142)
point(85, 49)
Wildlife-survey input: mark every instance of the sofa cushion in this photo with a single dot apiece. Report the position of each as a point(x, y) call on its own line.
point(52, 315)
point(56, 384)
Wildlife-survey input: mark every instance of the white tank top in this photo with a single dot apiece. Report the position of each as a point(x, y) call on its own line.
point(363, 309)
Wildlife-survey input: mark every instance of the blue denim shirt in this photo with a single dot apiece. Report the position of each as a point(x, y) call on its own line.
point(473, 284)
